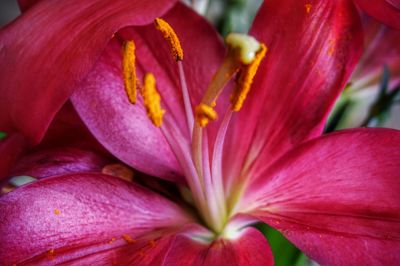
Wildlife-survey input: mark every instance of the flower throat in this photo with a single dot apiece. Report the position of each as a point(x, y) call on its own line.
point(201, 167)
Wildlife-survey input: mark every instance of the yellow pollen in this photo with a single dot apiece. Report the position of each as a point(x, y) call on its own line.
point(128, 239)
point(152, 100)
point(129, 70)
point(246, 78)
point(171, 37)
point(308, 8)
point(57, 212)
point(331, 48)
point(51, 254)
point(204, 113)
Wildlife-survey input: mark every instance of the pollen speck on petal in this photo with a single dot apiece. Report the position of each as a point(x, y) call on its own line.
point(57, 212)
point(128, 239)
point(51, 254)
point(308, 8)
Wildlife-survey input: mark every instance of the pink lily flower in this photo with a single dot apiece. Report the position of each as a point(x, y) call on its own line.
point(334, 196)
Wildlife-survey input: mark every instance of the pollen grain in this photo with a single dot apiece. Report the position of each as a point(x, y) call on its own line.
point(129, 70)
point(128, 239)
point(152, 100)
point(308, 8)
point(246, 77)
point(171, 37)
point(205, 113)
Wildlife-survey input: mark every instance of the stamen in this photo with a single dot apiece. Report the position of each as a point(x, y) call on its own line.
point(152, 100)
point(171, 37)
point(129, 70)
point(246, 78)
point(204, 113)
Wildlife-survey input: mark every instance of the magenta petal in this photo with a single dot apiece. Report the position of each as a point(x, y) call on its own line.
point(346, 184)
point(381, 50)
point(26, 4)
point(386, 11)
point(333, 249)
point(147, 251)
point(251, 248)
point(68, 130)
point(77, 215)
point(44, 67)
point(10, 149)
point(124, 129)
point(313, 48)
point(60, 161)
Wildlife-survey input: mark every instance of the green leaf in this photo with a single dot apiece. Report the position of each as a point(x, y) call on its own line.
point(285, 253)
point(3, 135)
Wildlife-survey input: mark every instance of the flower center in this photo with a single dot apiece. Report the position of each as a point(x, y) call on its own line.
point(202, 168)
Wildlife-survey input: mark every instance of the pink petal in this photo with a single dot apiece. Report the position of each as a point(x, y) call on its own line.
point(313, 48)
point(26, 4)
point(10, 149)
point(344, 184)
point(68, 130)
point(125, 130)
point(148, 251)
point(251, 248)
point(332, 249)
point(61, 161)
point(381, 50)
point(63, 39)
point(386, 11)
point(78, 215)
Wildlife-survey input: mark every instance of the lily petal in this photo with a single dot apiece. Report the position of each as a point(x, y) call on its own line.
point(386, 11)
point(44, 67)
point(10, 149)
point(308, 62)
point(331, 249)
point(26, 4)
point(343, 184)
point(77, 215)
point(125, 130)
point(250, 248)
point(381, 50)
point(60, 161)
point(68, 130)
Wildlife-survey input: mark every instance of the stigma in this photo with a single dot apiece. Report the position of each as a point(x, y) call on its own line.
point(245, 45)
point(244, 56)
